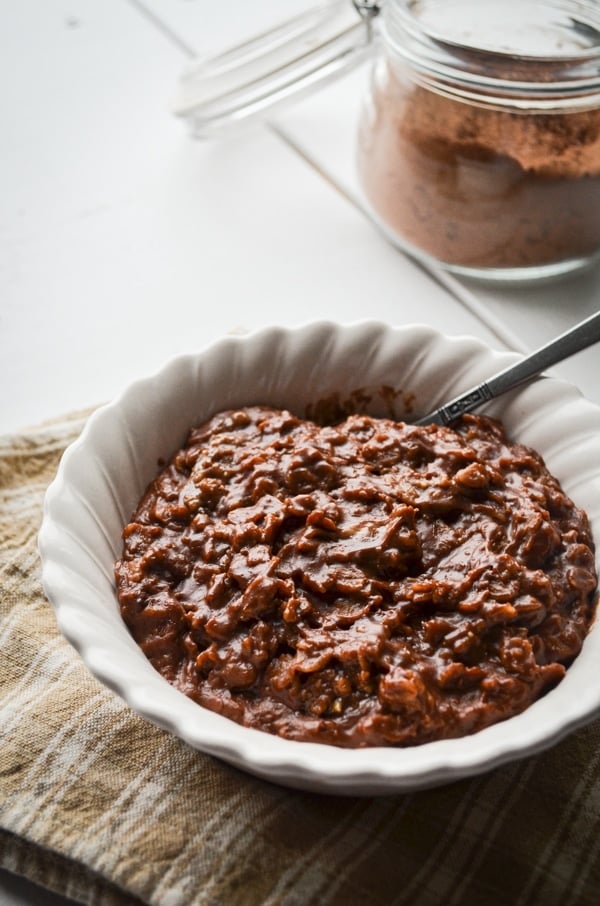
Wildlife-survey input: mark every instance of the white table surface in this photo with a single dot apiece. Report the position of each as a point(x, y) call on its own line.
point(123, 242)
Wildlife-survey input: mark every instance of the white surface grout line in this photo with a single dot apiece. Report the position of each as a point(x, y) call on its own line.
point(168, 32)
point(281, 134)
point(477, 308)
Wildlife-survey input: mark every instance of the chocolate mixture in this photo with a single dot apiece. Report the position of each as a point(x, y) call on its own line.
point(481, 186)
point(368, 583)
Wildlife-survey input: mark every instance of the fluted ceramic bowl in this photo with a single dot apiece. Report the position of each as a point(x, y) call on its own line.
point(402, 371)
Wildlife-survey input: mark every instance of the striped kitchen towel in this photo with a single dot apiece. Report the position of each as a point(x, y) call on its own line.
point(101, 806)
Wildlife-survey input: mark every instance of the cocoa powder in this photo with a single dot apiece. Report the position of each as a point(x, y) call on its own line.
point(479, 185)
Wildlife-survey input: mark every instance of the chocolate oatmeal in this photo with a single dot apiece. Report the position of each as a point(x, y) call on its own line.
point(367, 583)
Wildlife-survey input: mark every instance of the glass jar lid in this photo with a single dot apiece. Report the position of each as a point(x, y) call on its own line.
point(289, 61)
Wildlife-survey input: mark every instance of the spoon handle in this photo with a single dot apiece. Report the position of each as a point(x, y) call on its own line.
point(567, 344)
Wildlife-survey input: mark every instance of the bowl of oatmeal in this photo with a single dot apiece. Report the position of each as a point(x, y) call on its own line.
point(276, 565)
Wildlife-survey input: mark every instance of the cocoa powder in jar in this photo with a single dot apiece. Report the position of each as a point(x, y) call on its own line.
point(476, 185)
point(479, 145)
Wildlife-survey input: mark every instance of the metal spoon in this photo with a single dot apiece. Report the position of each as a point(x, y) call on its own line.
point(567, 344)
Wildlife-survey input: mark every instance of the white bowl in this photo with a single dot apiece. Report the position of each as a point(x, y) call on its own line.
point(104, 473)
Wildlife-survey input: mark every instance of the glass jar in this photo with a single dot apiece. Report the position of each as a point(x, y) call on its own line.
point(479, 144)
point(479, 141)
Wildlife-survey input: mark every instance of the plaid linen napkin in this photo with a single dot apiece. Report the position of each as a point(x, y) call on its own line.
point(99, 805)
